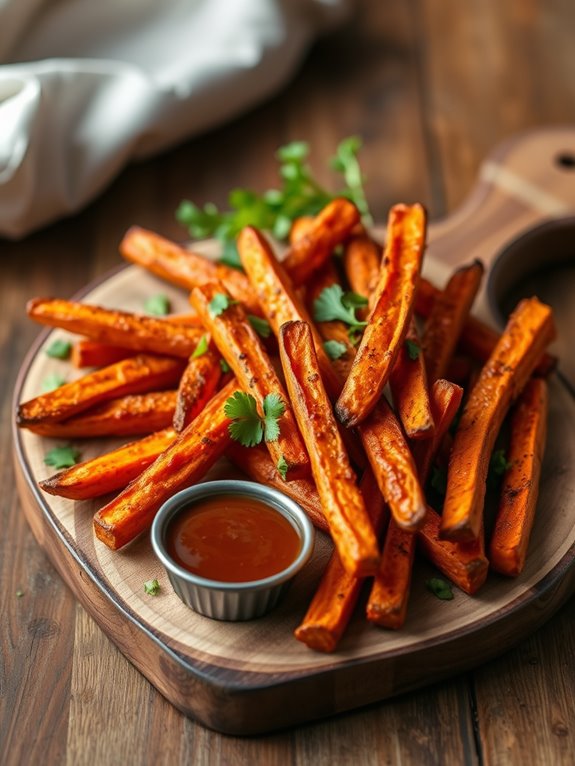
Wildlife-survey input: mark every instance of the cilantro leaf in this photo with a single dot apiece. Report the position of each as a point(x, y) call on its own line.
point(62, 457)
point(52, 382)
point(347, 163)
point(440, 588)
point(225, 367)
point(152, 587)
point(201, 348)
point(158, 305)
point(334, 348)
point(412, 349)
point(59, 349)
point(282, 467)
point(246, 426)
point(332, 304)
point(219, 303)
point(274, 408)
point(261, 326)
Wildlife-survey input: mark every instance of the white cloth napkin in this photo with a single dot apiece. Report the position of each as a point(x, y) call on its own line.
point(86, 85)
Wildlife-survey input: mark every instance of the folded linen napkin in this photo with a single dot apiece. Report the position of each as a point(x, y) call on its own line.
point(86, 86)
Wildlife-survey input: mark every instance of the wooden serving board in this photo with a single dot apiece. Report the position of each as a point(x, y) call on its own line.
point(245, 678)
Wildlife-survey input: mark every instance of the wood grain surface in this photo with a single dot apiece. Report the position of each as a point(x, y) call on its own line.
point(432, 88)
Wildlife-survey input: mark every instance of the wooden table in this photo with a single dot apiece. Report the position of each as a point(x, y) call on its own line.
point(431, 87)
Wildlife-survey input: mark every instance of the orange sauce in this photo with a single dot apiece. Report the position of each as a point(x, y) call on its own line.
point(232, 539)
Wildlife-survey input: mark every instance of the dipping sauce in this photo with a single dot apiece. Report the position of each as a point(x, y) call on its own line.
point(232, 539)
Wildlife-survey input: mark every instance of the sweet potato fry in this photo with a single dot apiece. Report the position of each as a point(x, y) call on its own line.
point(130, 376)
point(392, 463)
point(447, 318)
point(182, 267)
point(299, 227)
point(328, 229)
point(362, 261)
point(240, 346)
point(389, 320)
point(118, 328)
point(258, 465)
point(510, 537)
point(342, 503)
point(333, 603)
point(197, 386)
point(92, 353)
point(109, 472)
point(529, 330)
point(477, 339)
point(387, 604)
point(131, 415)
point(409, 388)
point(184, 462)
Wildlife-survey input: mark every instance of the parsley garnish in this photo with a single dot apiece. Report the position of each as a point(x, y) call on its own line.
point(52, 382)
point(201, 348)
point(412, 349)
point(261, 326)
point(219, 303)
point(62, 457)
point(440, 588)
point(275, 210)
point(248, 426)
point(159, 305)
point(333, 304)
point(59, 349)
point(152, 587)
point(282, 467)
point(334, 348)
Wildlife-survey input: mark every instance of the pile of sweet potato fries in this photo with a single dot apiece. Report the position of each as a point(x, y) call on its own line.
point(374, 397)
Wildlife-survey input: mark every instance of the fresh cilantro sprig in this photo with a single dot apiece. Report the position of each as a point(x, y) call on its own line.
point(282, 467)
point(248, 427)
point(334, 349)
point(219, 303)
point(299, 194)
point(158, 305)
point(62, 457)
point(332, 304)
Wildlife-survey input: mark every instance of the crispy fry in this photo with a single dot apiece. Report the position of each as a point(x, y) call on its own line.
point(516, 513)
point(409, 388)
point(361, 261)
point(393, 466)
point(109, 472)
point(184, 462)
point(334, 601)
point(528, 332)
point(240, 346)
point(197, 386)
point(315, 245)
point(300, 227)
point(130, 376)
point(447, 318)
point(257, 464)
point(118, 328)
point(389, 319)
point(182, 267)
point(92, 353)
point(130, 415)
point(335, 480)
point(387, 604)
point(477, 339)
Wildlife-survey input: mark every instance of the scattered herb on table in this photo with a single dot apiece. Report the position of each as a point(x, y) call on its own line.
point(59, 349)
point(152, 587)
point(62, 457)
point(51, 382)
point(440, 588)
point(248, 426)
point(158, 305)
point(19, 593)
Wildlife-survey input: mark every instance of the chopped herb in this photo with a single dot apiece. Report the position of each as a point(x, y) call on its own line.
point(333, 304)
point(440, 588)
point(282, 467)
point(219, 303)
point(248, 426)
point(261, 326)
point(224, 365)
point(59, 349)
point(62, 457)
point(201, 348)
point(334, 348)
point(159, 305)
point(51, 382)
point(412, 349)
point(152, 587)
point(299, 194)
point(498, 463)
point(19, 593)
